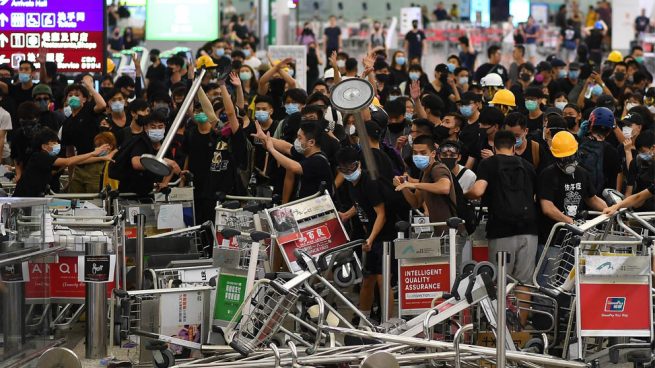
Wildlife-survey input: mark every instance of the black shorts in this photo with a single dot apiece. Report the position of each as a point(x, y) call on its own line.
point(373, 263)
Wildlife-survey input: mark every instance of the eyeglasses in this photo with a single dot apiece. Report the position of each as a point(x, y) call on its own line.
point(348, 169)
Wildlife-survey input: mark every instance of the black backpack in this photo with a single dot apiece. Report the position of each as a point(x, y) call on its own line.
point(513, 199)
point(122, 161)
point(591, 157)
point(463, 208)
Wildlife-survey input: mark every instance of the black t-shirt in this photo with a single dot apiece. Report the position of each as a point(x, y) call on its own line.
point(487, 68)
point(570, 35)
point(367, 194)
point(536, 125)
point(544, 157)
point(469, 135)
point(496, 228)
point(383, 163)
point(611, 166)
point(52, 120)
point(156, 72)
point(261, 154)
point(468, 59)
point(332, 34)
point(594, 40)
point(19, 94)
point(641, 176)
point(641, 23)
point(565, 85)
point(79, 130)
point(136, 181)
point(37, 175)
point(21, 141)
point(415, 43)
point(398, 76)
point(315, 169)
point(567, 192)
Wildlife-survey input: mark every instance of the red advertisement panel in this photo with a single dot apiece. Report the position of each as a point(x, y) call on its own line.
point(317, 239)
point(420, 283)
point(614, 307)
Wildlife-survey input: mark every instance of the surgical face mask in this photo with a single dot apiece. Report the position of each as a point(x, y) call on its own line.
point(421, 161)
point(414, 76)
point(531, 105)
point(200, 117)
point(298, 146)
point(43, 105)
point(219, 52)
point(651, 108)
point(560, 104)
point(261, 116)
point(630, 105)
point(627, 131)
point(539, 78)
point(353, 176)
point(350, 130)
point(409, 116)
point(574, 74)
point(400, 60)
point(518, 143)
point(597, 90)
point(24, 77)
point(639, 59)
point(562, 73)
point(117, 106)
point(156, 135)
point(466, 110)
point(74, 102)
point(341, 63)
point(245, 76)
point(393, 97)
point(451, 67)
point(246, 52)
point(68, 111)
point(291, 108)
point(450, 162)
point(55, 150)
point(291, 73)
point(645, 156)
point(463, 80)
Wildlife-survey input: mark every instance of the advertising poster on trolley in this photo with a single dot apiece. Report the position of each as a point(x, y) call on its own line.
point(314, 228)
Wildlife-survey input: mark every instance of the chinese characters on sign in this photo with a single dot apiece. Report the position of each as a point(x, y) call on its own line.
point(71, 32)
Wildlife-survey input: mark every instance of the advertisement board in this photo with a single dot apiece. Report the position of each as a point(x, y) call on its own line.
point(420, 282)
point(71, 33)
point(175, 20)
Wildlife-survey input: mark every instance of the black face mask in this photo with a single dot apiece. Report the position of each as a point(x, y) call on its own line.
point(141, 120)
point(525, 77)
point(449, 162)
point(440, 133)
point(619, 76)
point(382, 78)
point(396, 128)
point(570, 122)
point(153, 58)
point(104, 128)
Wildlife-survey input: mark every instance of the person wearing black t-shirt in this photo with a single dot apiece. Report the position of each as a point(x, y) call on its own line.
point(493, 66)
point(415, 43)
point(332, 37)
point(78, 132)
point(375, 216)
point(22, 91)
point(265, 167)
point(156, 70)
point(41, 163)
point(526, 147)
point(303, 158)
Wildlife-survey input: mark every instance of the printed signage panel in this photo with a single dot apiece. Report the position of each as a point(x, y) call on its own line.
point(623, 308)
point(15, 272)
point(71, 33)
point(319, 228)
point(231, 290)
point(419, 284)
point(188, 20)
point(98, 269)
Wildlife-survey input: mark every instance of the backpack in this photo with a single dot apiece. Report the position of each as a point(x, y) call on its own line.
point(397, 163)
point(122, 161)
point(590, 156)
point(463, 207)
point(513, 199)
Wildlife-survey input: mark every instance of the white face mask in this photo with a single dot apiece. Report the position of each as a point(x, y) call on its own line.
point(298, 146)
point(351, 129)
point(410, 140)
point(560, 104)
point(68, 111)
point(627, 131)
point(651, 108)
point(630, 105)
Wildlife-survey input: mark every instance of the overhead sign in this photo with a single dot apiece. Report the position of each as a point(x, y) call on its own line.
point(71, 33)
point(175, 20)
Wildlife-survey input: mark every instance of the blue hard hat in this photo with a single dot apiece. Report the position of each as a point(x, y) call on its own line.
point(602, 116)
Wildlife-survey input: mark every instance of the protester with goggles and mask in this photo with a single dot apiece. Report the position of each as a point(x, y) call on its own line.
point(450, 155)
point(49, 117)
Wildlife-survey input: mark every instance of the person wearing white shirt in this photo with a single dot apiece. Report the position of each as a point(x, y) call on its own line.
point(508, 40)
point(5, 127)
point(450, 155)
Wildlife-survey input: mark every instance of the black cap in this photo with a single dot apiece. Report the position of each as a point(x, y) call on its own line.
point(557, 63)
point(553, 111)
point(633, 118)
point(373, 129)
point(544, 66)
point(605, 101)
point(468, 97)
point(535, 92)
point(650, 93)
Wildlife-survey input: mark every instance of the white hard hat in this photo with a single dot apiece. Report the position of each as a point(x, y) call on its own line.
point(491, 80)
point(328, 74)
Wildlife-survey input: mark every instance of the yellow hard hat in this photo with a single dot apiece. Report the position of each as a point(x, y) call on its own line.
point(615, 57)
point(110, 65)
point(504, 97)
point(564, 145)
point(205, 61)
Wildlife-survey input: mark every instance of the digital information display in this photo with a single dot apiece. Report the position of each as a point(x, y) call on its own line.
point(71, 32)
point(177, 20)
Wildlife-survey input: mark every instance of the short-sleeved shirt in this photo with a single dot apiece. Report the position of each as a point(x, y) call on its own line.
point(531, 31)
point(315, 169)
point(367, 194)
point(384, 165)
point(468, 59)
point(496, 228)
point(332, 34)
point(19, 94)
point(567, 192)
point(570, 36)
point(139, 181)
point(79, 130)
point(641, 23)
point(35, 179)
point(263, 160)
point(440, 206)
point(487, 68)
point(415, 43)
point(156, 73)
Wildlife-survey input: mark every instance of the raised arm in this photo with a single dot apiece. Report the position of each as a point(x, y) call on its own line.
point(207, 107)
point(415, 94)
point(236, 82)
point(101, 105)
point(230, 111)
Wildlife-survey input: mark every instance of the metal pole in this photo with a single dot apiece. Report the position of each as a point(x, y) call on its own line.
point(13, 304)
point(452, 248)
point(386, 279)
point(501, 326)
point(366, 146)
point(156, 164)
point(140, 239)
point(96, 309)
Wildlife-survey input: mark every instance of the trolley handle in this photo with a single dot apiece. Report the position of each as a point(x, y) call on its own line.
point(322, 259)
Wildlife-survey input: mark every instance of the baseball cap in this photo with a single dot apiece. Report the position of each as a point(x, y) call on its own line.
point(373, 129)
point(544, 66)
point(557, 63)
point(553, 111)
point(633, 119)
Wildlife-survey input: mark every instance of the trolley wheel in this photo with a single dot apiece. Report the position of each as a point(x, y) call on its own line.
point(166, 359)
point(534, 345)
point(467, 268)
point(117, 334)
point(341, 280)
point(485, 267)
